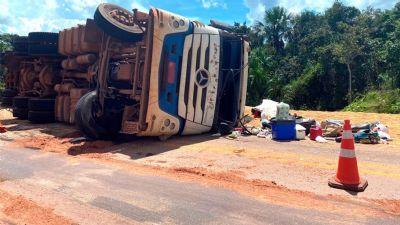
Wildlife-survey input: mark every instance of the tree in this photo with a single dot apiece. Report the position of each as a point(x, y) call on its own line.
point(346, 51)
point(5, 45)
point(275, 27)
point(254, 37)
point(339, 13)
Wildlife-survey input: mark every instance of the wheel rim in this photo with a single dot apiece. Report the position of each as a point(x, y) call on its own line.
point(120, 17)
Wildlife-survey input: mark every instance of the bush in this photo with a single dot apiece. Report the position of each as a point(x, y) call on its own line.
point(378, 102)
point(303, 93)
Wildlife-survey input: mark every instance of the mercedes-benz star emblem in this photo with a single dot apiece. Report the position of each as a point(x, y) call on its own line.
point(202, 78)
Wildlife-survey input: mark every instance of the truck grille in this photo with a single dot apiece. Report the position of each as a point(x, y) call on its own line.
point(199, 78)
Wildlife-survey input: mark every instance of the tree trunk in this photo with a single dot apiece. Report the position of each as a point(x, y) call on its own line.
point(350, 76)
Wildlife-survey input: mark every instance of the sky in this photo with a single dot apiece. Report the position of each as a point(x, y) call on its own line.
point(24, 16)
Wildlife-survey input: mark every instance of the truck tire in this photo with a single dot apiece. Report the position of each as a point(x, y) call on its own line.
point(9, 93)
point(115, 28)
point(41, 104)
point(20, 102)
point(43, 43)
point(42, 50)
point(20, 44)
point(7, 101)
point(20, 113)
point(58, 108)
point(78, 117)
point(48, 37)
point(105, 127)
point(41, 116)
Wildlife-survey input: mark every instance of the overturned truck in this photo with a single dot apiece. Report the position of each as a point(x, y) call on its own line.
point(160, 74)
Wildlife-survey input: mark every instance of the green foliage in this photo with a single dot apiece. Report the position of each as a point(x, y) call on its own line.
point(5, 45)
point(308, 58)
point(377, 101)
point(258, 78)
point(301, 92)
point(5, 42)
point(275, 27)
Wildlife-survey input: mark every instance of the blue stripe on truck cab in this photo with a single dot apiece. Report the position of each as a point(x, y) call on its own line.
point(170, 72)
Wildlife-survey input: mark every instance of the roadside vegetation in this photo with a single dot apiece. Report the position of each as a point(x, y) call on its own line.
point(328, 60)
point(5, 44)
point(377, 101)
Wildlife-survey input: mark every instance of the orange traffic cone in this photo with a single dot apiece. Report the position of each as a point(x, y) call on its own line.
point(347, 176)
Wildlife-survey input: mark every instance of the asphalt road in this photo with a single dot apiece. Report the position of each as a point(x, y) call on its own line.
point(92, 193)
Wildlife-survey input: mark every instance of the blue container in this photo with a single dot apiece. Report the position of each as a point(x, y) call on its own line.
point(283, 130)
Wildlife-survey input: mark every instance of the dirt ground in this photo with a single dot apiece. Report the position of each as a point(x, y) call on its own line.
point(18, 210)
point(286, 173)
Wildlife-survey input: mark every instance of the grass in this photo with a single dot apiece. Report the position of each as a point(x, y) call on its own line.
point(378, 102)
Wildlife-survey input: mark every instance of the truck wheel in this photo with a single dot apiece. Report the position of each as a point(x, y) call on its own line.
point(41, 104)
point(7, 101)
point(20, 102)
point(42, 50)
point(47, 37)
point(20, 113)
point(105, 127)
point(78, 117)
point(111, 19)
point(9, 93)
point(41, 116)
point(43, 43)
point(20, 44)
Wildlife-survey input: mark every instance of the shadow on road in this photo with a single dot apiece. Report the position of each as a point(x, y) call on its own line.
point(138, 147)
point(353, 193)
point(127, 145)
point(58, 130)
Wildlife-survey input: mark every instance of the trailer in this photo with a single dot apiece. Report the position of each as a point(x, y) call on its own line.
point(11, 61)
point(33, 69)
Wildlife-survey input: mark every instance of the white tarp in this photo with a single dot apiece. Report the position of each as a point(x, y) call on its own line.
point(267, 108)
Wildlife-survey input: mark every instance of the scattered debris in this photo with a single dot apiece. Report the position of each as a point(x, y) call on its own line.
point(234, 134)
point(266, 110)
point(2, 128)
point(366, 137)
point(320, 139)
point(331, 128)
point(78, 140)
point(315, 131)
point(255, 130)
point(264, 133)
point(300, 132)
